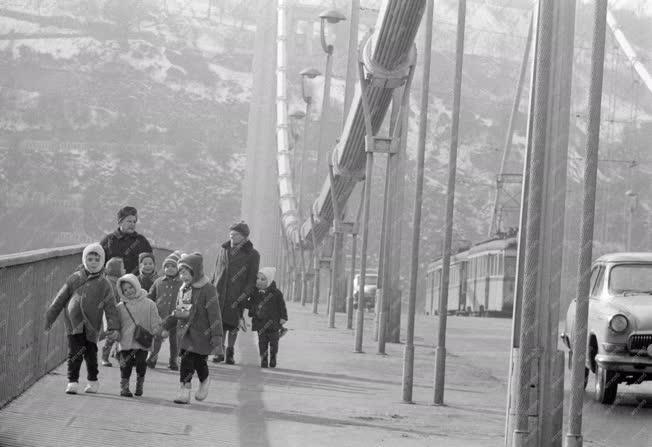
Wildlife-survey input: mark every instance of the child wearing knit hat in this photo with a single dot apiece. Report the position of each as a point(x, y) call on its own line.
point(268, 315)
point(198, 312)
point(147, 270)
point(164, 293)
point(85, 298)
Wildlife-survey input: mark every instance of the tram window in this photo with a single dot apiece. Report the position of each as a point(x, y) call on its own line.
point(510, 266)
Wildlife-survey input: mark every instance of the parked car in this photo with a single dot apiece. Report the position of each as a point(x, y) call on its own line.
point(370, 286)
point(619, 338)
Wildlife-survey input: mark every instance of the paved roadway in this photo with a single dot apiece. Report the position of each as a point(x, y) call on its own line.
point(322, 394)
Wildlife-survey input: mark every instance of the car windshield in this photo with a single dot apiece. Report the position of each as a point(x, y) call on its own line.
point(630, 279)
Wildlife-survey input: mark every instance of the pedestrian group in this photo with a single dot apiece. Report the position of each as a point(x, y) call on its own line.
point(116, 295)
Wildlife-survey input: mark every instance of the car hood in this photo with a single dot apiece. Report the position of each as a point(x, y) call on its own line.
point(637, 308)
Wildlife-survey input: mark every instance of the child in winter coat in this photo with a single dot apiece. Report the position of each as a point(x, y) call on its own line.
point(199, 317)
point(135, 308)
point(84, 298)
point(147, 270)
point(164, 293)
point(268, 315)
point(113, 270)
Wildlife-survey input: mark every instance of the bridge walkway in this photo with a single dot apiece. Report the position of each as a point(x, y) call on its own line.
point(321, 394)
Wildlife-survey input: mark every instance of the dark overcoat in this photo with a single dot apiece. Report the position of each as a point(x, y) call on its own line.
point(234, 278)
point(126, 246)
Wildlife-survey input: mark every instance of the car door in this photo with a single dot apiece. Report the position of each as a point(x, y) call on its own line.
point(572, 308)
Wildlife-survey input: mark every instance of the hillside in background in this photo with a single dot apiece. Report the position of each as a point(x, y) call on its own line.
point(114, 102)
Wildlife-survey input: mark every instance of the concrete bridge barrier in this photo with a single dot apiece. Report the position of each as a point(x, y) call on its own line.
point(28, 283)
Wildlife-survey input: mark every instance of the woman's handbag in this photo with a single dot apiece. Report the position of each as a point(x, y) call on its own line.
point(141, 335)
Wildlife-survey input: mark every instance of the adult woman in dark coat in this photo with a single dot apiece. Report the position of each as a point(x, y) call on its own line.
point(234, 278)
point(125, 242)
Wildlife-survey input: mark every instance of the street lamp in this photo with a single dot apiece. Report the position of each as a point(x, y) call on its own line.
point(632, 206)
point(331, 17)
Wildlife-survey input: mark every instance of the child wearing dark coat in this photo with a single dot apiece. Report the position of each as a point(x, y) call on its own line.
point(198, 314)
point(164, 293)
point(84, 298)
point(146, 270)
point(268, 315)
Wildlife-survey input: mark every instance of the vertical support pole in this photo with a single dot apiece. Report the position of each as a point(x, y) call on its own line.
point(538, 417)
point(512, 397)
point(315, 254)
point(551, 376)
point(574, 435)
point(354, 248)
point(304, 148)
point(349, 298)
point(336, 258)
point(383, 257)
point(440, 351)
point(408, 352)
point(381, 292)
point(369, 143)
point(359, 327)
point(397, 223)
point(349, 89)
point(304, 276)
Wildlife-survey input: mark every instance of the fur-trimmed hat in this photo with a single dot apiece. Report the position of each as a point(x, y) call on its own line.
point(146, 255)
point(127, 211)
point(241, 227)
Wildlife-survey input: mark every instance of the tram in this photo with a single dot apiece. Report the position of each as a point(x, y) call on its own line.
point(481, 281)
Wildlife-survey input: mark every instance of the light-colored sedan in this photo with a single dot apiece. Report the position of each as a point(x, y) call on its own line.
point(619, 340)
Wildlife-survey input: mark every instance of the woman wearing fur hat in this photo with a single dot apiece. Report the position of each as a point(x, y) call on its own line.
point(234, 278)
point(198, 313)
point(164, 294)
point(125, 242)
point(84, 298)
point(134, 309)
point(268, 315)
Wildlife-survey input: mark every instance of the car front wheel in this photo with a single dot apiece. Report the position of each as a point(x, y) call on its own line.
point(606, 385)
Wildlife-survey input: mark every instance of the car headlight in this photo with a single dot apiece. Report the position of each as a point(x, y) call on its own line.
point(618, 323)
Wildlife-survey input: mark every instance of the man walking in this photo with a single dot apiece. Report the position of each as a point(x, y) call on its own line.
point(234, 278)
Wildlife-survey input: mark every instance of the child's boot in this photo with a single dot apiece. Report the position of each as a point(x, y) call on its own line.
point(124, 388)
point(272, 360)
point(72, 388)
point(184, 394)
point(263, 360)
point(140, 380)
point(230, 353)
point(202, 392)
